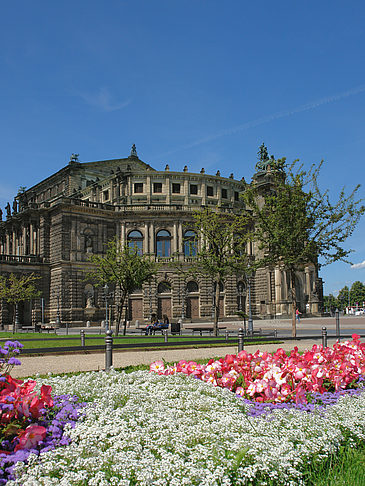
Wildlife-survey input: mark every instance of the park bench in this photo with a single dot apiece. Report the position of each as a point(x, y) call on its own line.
point(200, 330)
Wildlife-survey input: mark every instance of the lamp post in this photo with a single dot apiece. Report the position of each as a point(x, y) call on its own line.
point(106, 291)
point(183, 299)
point(42, 311)
point(16, 317)
point(58, 318)
point(250, 321)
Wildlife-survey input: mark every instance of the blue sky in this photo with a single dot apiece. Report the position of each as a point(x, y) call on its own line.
point(193, 82)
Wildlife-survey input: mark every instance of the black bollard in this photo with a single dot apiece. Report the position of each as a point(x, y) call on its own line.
point(82, 336)
point(241, 339)
point(337, 317)
point(227, 335)
point(108, 350)
point(324, 337)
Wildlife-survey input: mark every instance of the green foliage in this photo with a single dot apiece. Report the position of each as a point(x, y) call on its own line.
point(295, 222)
point(223, 249)
point(123, 267)
point(357, 293)
point(15, 289)
point(330, 303)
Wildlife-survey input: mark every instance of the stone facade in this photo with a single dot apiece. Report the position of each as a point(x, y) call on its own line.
point(55, 226)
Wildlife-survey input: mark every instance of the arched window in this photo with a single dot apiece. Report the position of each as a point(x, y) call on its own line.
point(163, 243)
point(190, 243)
point(164, 288)
point(135, 240)
point(192, 287)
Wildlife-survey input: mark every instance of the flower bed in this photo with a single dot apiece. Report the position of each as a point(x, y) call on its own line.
point(169, 429)
point(277, 378)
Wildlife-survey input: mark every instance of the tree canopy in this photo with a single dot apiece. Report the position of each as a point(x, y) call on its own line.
point(14, 289)
point(126, 269)
point(222, 250)
point(296, 223)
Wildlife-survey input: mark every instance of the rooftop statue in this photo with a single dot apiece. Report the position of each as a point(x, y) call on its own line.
point(8, 210)
point(74, 158)
point(266, 163)
point(134, 151)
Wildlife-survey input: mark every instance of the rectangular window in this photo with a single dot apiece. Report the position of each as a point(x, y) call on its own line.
point(106, 195)
point(138, 187)
point(157, 187)
point(176, 188)
point(236, 196)
point(224, 194)
point(210, 191)
point(193, 189)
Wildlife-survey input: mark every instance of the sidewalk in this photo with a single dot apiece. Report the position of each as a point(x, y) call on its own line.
point(96, 361)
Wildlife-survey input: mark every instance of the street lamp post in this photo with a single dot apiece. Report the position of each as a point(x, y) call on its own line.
point(183, 299)
point(106, 291)
point(16, 317)
point(42, 311)
point(58, 318)
point(250, 321)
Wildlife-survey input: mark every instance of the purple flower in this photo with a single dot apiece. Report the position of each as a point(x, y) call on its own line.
point(14, 361)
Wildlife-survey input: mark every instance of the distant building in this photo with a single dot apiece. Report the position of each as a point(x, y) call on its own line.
point(53, 227)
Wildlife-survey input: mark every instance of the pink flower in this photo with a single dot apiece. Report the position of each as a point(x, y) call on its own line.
point(157, 367)
point(30, 437)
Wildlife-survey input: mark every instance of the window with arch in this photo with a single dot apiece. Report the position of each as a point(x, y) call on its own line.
point(135, 240)
point(190, 243)
point(163, 243)
point(192, 287)
point(164, 288)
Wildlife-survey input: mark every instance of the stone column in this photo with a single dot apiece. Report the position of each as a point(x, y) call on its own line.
point(175, 240)
point(146, 239)
point(152, 238)
point(148, 189)
point(168, 190)
point(180, 248)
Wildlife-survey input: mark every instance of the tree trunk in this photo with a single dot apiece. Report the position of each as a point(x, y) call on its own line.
point(119, 315)
point(125, 315)
point(294, 303)
point(216, 308)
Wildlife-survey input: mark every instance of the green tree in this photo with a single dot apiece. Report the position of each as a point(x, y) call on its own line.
point(222, 252)
point(330, 303)
point(126, 269)
point(14, 290)
point(357, 293)
point(343, 298)
point(295, 222)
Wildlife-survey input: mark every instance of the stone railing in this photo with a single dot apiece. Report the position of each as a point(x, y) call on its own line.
point(21, 259)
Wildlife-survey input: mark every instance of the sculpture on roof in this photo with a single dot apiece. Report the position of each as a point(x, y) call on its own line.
point(74, 158)
point(8, 210)
point(267, 163)
point(134, 151)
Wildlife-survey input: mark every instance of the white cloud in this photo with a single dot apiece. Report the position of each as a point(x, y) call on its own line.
point(359, 265)
point(103, 100)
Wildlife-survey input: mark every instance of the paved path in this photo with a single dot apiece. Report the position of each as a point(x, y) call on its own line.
point(96, 361)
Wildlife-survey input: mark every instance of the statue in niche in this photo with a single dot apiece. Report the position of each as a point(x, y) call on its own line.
point(89, 300)
point(89, 297)
point(88, 244)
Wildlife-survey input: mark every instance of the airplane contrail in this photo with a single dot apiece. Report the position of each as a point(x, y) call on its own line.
point(268, 118)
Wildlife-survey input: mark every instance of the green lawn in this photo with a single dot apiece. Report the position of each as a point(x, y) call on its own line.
point(51, 340)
